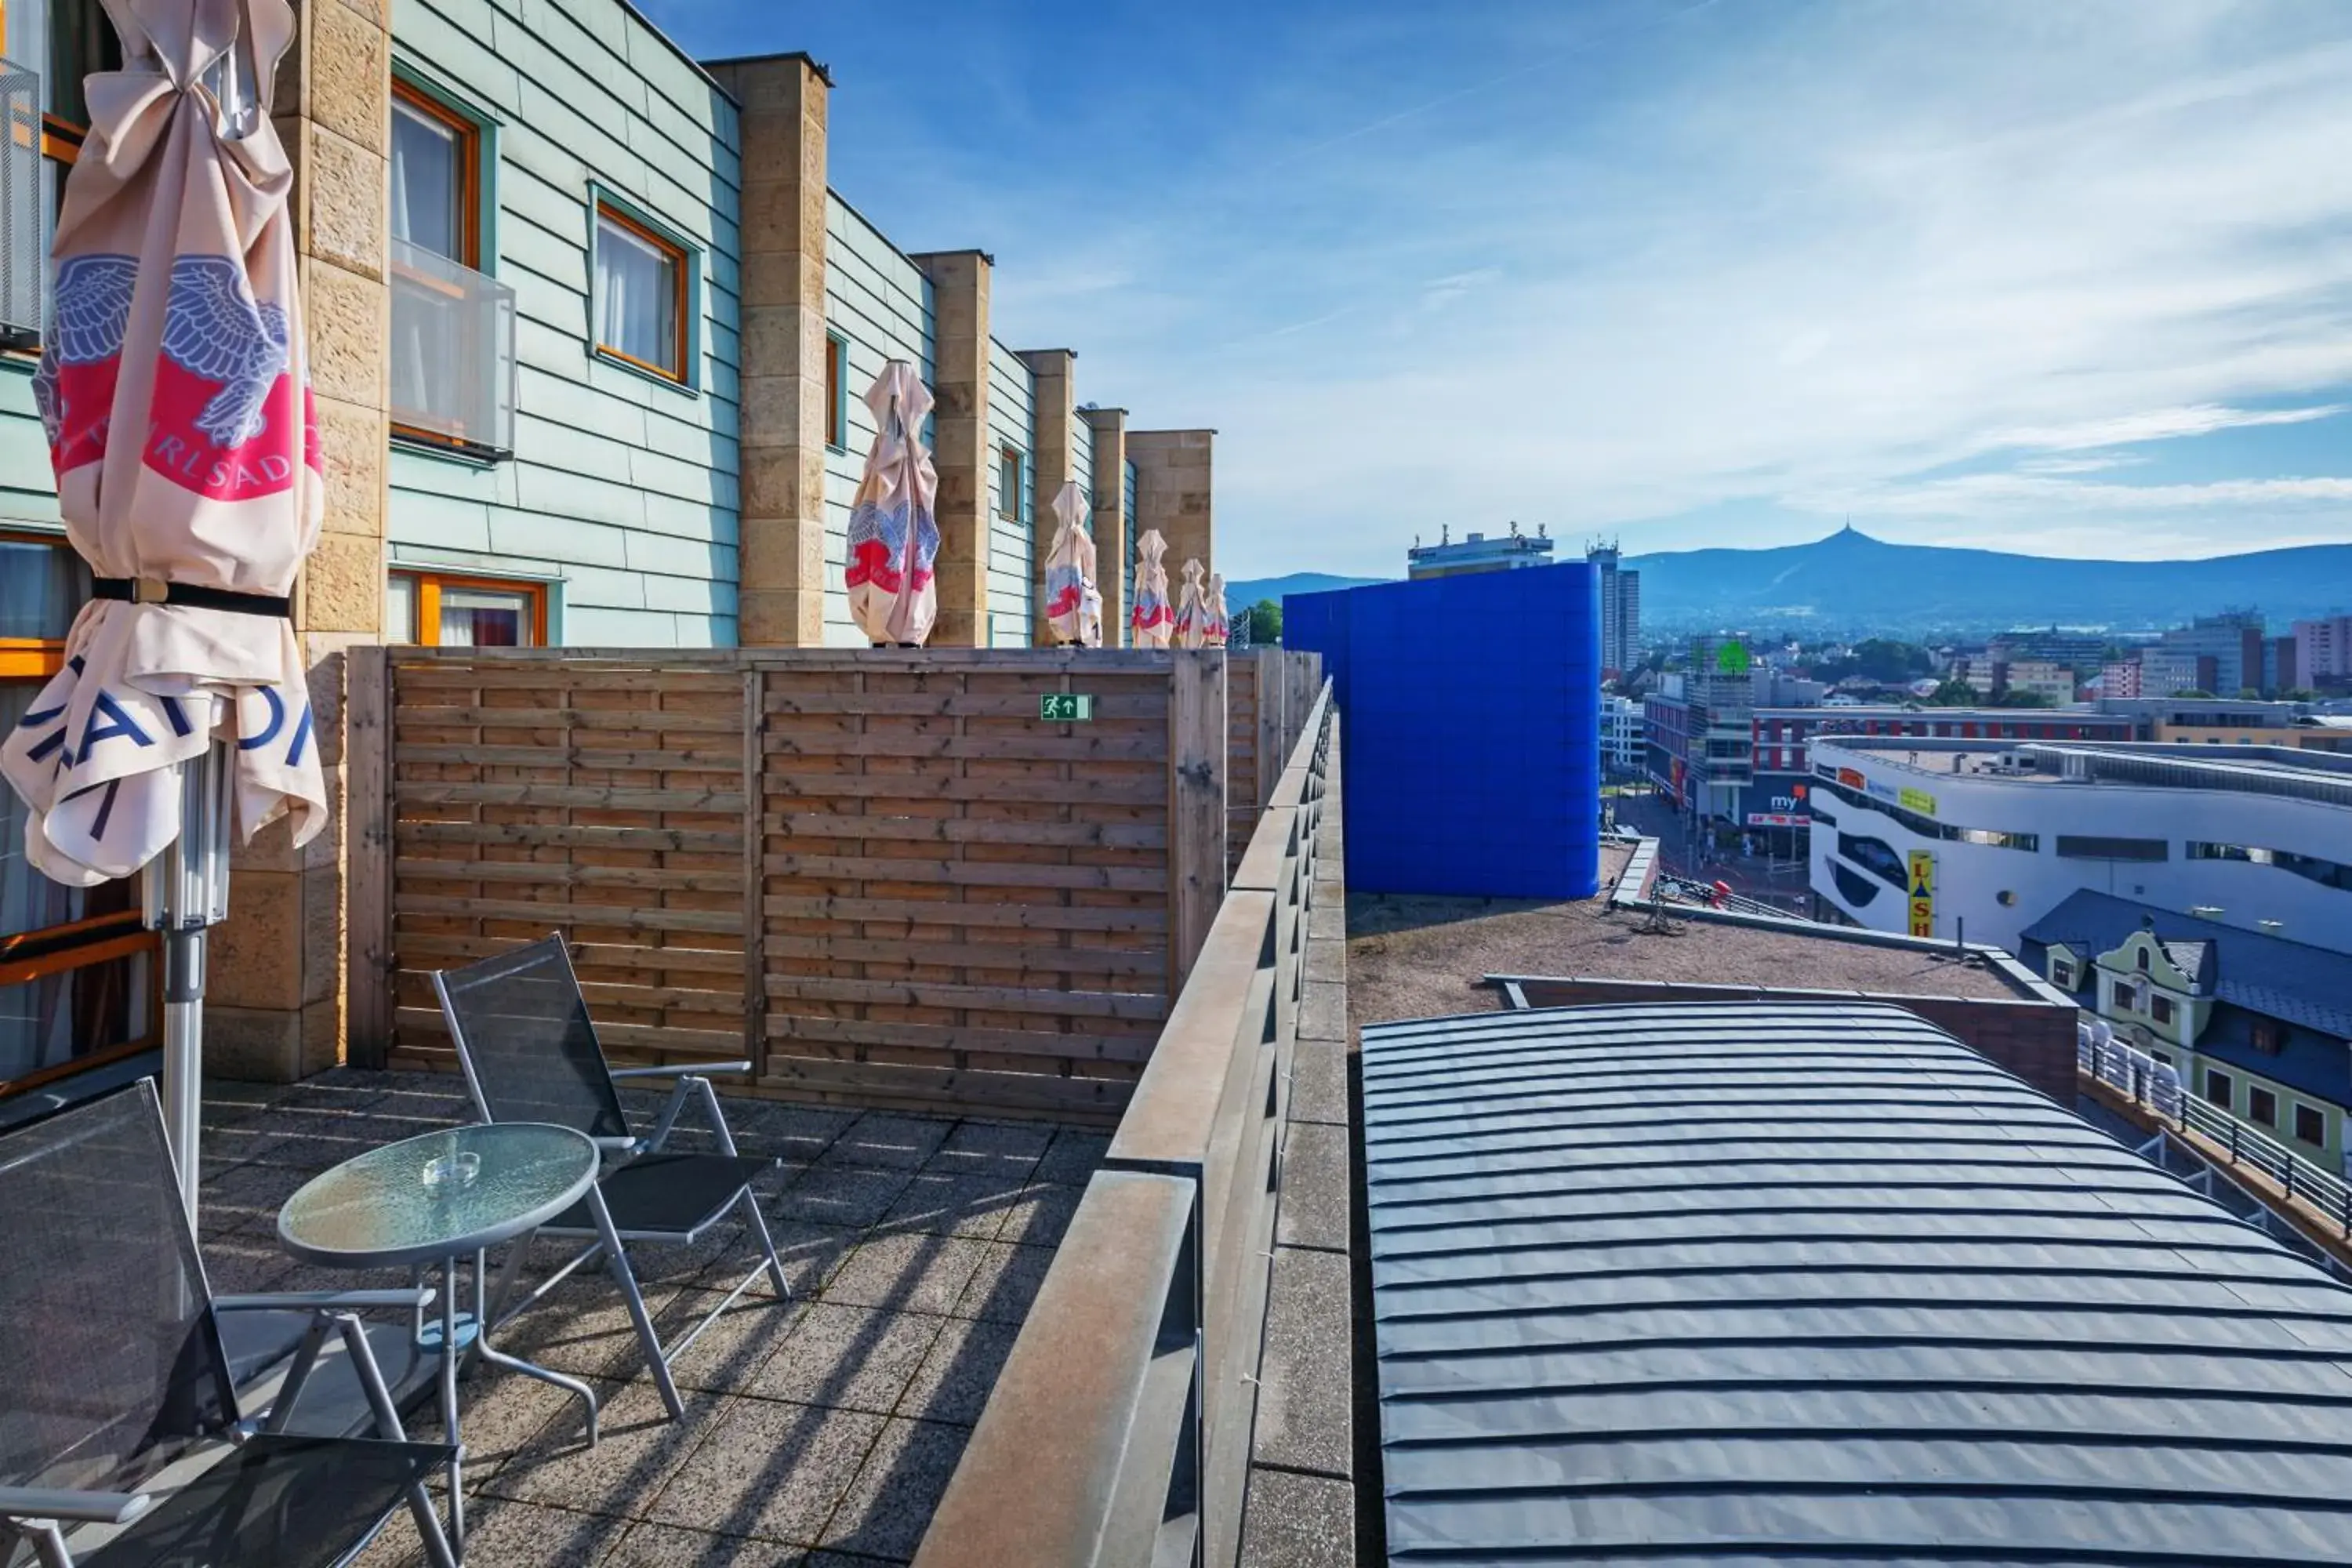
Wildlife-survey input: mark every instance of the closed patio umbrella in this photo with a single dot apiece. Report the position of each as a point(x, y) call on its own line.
point(894, 534)
point(177, 326)
point(1070, 571)
point(1220, 624)
point(1192, 607)
point(1153, 618)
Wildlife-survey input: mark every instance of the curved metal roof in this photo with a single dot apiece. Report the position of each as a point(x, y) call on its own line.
point(1780, 1284)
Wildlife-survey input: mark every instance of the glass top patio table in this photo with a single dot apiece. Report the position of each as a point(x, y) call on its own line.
point(438, 1195)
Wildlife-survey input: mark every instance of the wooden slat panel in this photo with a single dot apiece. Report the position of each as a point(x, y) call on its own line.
point(952, 902)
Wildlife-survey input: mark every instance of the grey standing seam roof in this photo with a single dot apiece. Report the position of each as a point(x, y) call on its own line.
point(1809, 1284)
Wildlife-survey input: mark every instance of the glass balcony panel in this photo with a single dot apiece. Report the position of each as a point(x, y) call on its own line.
point(453, 360)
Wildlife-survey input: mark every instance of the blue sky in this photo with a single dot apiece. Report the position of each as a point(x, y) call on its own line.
point(2074, 278)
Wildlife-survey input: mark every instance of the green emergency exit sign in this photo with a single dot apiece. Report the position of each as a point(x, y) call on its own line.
point(1066, 707)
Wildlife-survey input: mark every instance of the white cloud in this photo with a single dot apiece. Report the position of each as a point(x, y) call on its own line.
point(1778, 253)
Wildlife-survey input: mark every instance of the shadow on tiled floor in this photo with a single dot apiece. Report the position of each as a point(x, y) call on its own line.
point(819, 1433)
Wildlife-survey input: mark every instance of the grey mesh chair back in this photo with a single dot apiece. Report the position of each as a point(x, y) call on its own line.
point(529, 1050)
point(110, 1363)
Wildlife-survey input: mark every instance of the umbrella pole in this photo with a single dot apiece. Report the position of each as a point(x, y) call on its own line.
point(186, 893)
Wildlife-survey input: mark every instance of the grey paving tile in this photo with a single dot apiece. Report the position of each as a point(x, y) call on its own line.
point(908, 1273)
point(498, 1414)
point(769, 1469)
point(1298, 1521)
point(1041, 1215)
point(799, 1133)
point(583, 1327)
point(897, 1490)
point(959, 1371)
point(1004, 1286)
point(624, 1473)
point(1319, 1082)
point(669, 1546)
point(1327, 959)
point(997, 1148)
point(1323, 1012)
point(1313, 1210)
point(937, 1203)
point(1073, 1157)
point(811, 1253)
point(847, 1358)
point(727, 1355)
point(852, 1196)
point(890, 1140)
point(1305, 1399)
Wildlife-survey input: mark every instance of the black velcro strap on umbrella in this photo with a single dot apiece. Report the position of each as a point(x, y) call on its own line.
point(147, 591)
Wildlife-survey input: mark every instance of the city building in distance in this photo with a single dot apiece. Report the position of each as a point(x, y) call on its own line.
point(1478, 552)
point(1621, 611)
point(1977, 839)
point(2254, 1024)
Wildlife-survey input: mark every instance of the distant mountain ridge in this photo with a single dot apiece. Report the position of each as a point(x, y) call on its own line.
point(1853, 582)
point(1850, 581)
point(1240, 595)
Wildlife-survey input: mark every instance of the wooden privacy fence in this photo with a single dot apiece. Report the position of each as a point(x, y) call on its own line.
point(883, 875)
point(1267, 694)
point(1119, 1431)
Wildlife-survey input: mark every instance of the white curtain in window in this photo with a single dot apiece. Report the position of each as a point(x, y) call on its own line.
point(635, 296)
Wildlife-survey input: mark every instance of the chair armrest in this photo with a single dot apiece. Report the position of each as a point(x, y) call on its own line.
point(65, 1502)
point(679, 1069)
point(323, 1300)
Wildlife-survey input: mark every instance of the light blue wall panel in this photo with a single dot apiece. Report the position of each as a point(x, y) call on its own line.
point(1011, 422)
point(623, 486)
point(27, 485)
point(879, 303)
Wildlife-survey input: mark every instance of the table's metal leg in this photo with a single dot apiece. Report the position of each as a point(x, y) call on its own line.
point(485, 1308)
point(450, 1355)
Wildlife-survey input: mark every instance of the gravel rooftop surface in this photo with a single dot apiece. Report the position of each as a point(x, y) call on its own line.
point(1417, 957)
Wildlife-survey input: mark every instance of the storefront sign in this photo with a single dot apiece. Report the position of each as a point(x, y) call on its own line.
point(1923, 893)
point(1777, 820)
point(1851, 779)
point(1918, 800)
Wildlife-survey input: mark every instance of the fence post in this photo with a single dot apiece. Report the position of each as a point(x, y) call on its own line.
point(1196, 806)
point(368, 851)
point(755, 920)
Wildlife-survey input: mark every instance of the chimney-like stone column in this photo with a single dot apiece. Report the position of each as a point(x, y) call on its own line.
point(1173, 494)
point(784, 100)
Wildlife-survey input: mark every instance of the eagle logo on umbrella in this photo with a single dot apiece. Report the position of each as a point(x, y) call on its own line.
point(213, 329)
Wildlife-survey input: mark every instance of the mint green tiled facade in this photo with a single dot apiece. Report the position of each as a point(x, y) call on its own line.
point(622, 491)
point(1011, 422)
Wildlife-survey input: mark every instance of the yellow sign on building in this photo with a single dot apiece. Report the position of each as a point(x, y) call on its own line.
point(1923, 893)
point(1918, 800)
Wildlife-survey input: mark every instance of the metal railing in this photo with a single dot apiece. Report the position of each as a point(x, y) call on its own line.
point(453, 354)
point(2157, 1088)
point(1119, 1431)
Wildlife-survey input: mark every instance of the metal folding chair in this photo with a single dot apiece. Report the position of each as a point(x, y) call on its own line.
point(120, 1444)
point(530, 1054)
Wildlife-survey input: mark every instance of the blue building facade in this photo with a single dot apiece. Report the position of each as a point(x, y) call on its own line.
point(1472, 730)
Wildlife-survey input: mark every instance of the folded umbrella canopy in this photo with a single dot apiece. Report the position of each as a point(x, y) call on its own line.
point(1192, 607)
point(894, 534)
point(177, 327)
point(1220, 624)
point(1153, 619)
point(1070, 571)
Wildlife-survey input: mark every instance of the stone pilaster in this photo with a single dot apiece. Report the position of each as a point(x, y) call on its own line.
point(1054, 397)
point(1173, 494)
point(274, 987)
point(1111, 547)
point(959, 283)
point(784, 103)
